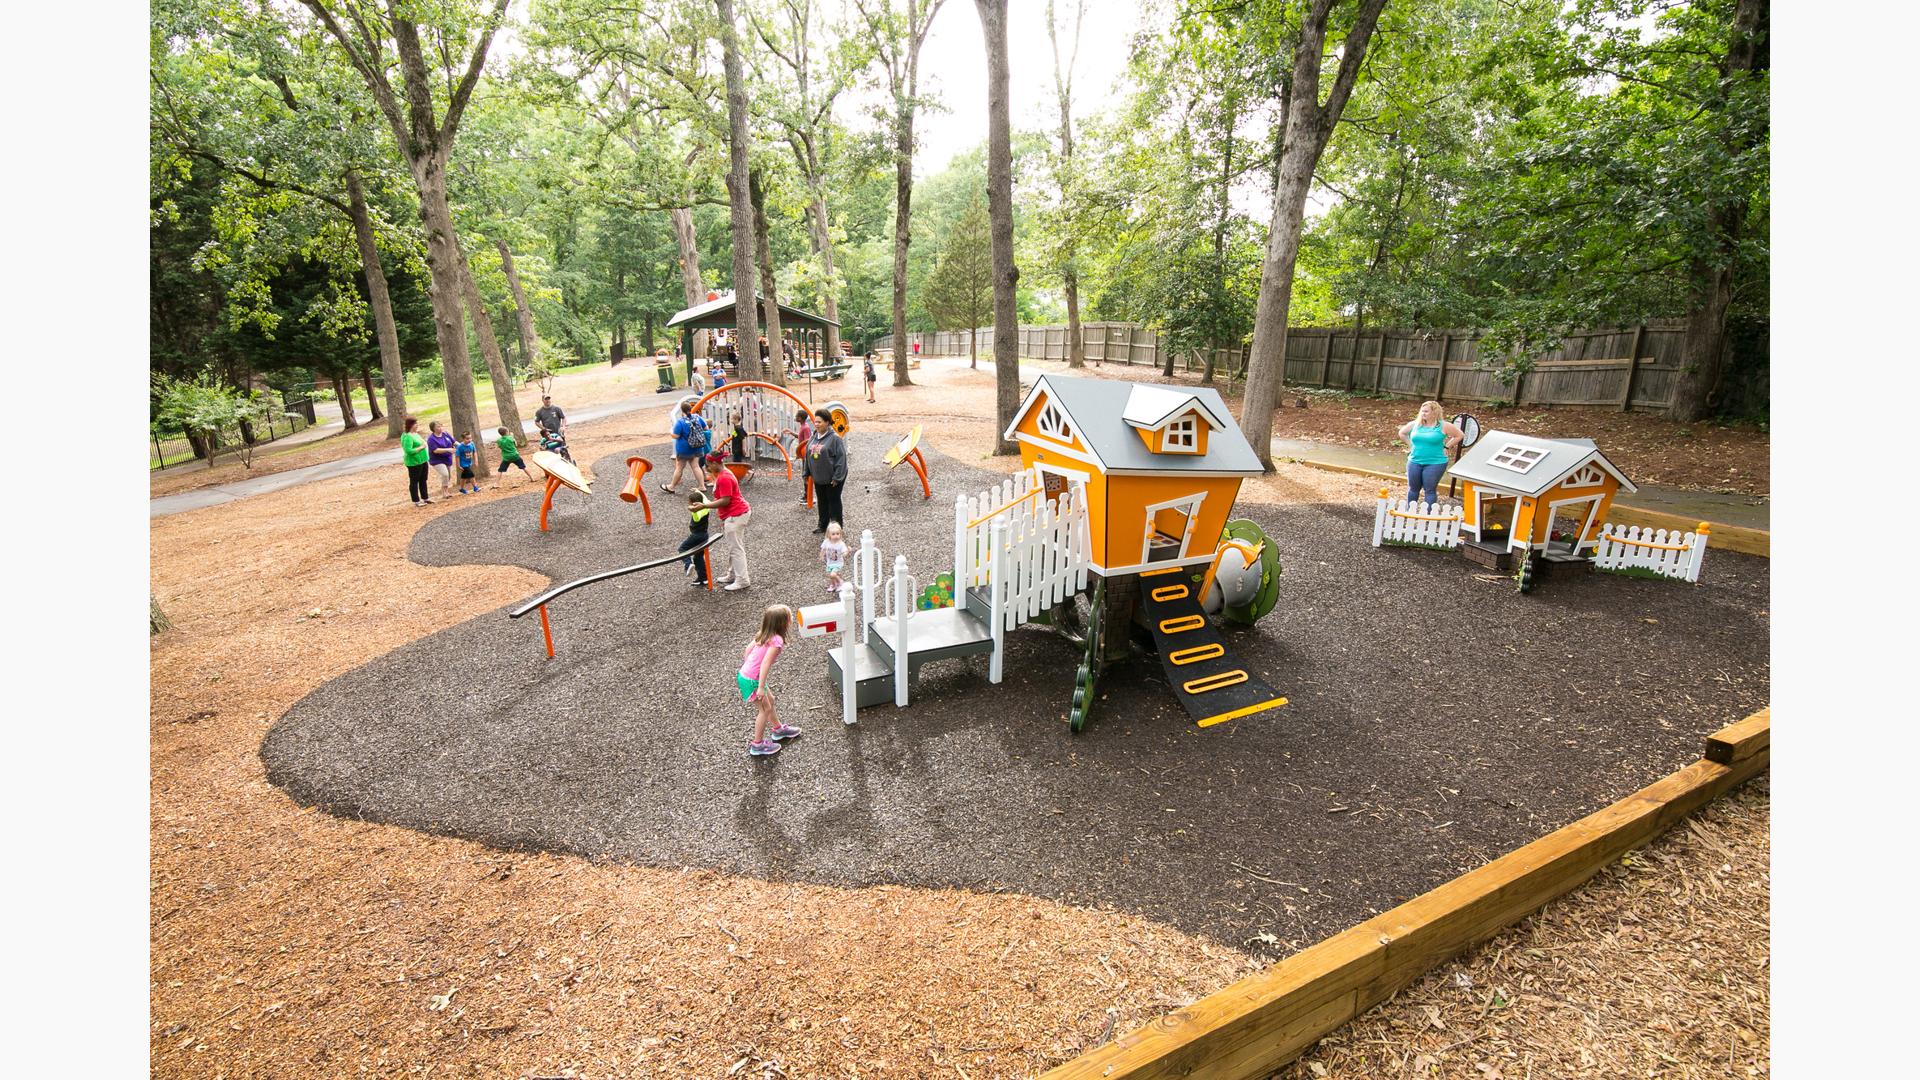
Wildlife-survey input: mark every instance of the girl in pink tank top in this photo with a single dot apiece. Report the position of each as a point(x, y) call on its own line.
point(762, 651)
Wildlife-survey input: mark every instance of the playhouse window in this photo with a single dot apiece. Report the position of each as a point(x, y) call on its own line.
point(1053, 423)
point(1182, 435)
point(1591, 476)
point(1518, 458)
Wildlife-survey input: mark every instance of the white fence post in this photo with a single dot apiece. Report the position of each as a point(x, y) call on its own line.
point(997, 590)
point(1380, 518)
point(902, 615)
point(960, 520)
point(866, 575)
point(1699, 551)
point(849, 641)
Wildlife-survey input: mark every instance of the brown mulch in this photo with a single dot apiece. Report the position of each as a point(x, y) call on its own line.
point(1649, 448)
point(1658, 967)
point(294, 943)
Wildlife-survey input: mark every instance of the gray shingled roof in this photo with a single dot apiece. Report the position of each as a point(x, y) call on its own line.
point(1559, 459)
point(1097, 408)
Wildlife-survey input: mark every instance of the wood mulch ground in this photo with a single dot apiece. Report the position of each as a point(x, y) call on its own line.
point(1649, 448)
point(295, 943)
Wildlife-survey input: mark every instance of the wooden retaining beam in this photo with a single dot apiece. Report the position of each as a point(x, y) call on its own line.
point(1260, 1023)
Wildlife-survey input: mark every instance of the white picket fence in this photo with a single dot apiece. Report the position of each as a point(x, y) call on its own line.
point(1673, 554)
point(1027, 551)
point(1430, 524)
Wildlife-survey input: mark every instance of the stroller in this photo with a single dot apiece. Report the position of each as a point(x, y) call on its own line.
point(554, 442)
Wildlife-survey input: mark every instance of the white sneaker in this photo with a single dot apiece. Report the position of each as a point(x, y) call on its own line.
point(736, 586)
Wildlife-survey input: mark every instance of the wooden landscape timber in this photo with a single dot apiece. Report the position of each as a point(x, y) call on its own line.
point(1266, 1020)
point(1723, 537)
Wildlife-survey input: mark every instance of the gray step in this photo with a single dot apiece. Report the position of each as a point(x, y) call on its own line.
point(932, 635)
point(872, 675)
point(978, 603)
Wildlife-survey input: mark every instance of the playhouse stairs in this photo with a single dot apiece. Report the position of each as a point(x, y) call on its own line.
point(936, 634)
point(1209, 680)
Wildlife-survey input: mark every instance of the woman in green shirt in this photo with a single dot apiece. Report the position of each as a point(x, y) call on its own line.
point(413, 451)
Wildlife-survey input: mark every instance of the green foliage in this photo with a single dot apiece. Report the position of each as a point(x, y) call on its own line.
point(204, 406)
point(959, 292)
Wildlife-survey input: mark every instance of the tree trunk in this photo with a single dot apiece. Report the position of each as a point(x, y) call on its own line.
point(823, 246)
point(763, 254)
point(1308, 124)
point(1006, 276)
point(1703, 359)
point(740, 196)
point(973, 348)
point(373, 401)
point(382, 304)
point(902, 236)
point(503, 399)
point(343, 393)
point(447, 294)
point(694, 289)
point(529, 347)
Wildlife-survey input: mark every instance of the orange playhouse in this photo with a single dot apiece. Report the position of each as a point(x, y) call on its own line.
point(1127, 495)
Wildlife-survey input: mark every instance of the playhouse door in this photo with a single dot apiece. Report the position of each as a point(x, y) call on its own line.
point(1568, 522)
point(1170, 528)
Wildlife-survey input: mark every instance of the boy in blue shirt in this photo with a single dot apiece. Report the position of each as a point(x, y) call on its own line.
point(463, 453)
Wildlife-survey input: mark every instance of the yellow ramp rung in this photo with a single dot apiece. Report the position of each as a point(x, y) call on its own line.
point(1214, 682)
point(1196, 654)
point(1238, 713)
point(1169, 592)
point(1162, 573)
point(1182, 624)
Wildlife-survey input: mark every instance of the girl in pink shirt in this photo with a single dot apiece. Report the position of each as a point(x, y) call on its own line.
point(762, 651)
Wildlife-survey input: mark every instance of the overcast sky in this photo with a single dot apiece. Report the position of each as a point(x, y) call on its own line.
point(953, 64)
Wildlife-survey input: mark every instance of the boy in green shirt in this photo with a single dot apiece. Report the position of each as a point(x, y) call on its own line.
point(510, 455)
point(413, 453)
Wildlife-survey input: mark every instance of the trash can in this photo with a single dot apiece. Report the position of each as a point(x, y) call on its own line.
point(665, 371)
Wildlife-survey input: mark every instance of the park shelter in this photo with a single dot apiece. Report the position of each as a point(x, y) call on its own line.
point(806, 330)
point(1515, 487)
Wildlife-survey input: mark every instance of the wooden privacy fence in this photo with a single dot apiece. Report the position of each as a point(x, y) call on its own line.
point(1397, 521)
point(1630, 367)
point(1674, 555)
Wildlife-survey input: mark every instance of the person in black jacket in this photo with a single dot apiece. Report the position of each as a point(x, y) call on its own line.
point(827, 465)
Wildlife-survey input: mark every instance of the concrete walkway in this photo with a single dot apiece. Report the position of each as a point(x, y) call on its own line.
point(1746, 511)
point(260, 485)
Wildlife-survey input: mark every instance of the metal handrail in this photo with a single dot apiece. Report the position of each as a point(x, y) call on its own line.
point(561, 590)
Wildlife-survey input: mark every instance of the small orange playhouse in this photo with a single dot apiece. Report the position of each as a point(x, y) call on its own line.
point(1161, 466)
point(1520, 494)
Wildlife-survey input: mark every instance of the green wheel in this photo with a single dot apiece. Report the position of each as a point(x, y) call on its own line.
point(1268, 595)
point(1524, 576)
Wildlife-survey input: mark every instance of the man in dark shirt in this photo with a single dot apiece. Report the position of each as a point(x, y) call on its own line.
point(550, 416)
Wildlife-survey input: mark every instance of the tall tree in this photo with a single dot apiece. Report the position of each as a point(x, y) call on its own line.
point(746, 318)
point(425, 134)
point(769, 288)
point(1309, 123)
point(805, 115)
point(959, 292)
point(1006, 276)
point(1068, 180)
point(897, 38)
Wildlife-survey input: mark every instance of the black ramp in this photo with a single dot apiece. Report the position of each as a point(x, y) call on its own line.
point(1211, 683)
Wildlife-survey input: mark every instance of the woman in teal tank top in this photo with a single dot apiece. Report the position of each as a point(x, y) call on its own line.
point(1431, 436)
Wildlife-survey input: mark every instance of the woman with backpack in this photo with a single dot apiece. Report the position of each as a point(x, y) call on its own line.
point(691, 440)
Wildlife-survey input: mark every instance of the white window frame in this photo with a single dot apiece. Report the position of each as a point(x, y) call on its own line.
point(1516, 459)
point(1052, 422)
point(1580, 540)
point(1590, 475)
point(1191, 503)
point(1186, 430)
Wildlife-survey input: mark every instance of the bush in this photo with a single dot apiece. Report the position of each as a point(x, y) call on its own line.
point(426, 377)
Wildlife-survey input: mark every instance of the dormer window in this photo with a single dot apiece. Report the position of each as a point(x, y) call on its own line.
point(1517, 458)
point(1053, 423)
point(1182, 436)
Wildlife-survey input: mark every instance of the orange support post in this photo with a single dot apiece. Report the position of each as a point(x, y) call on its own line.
point(809, 482)
point(706, 558)
point(636, 491)
point(547, 630)
point(920, 466)
point(553, 485)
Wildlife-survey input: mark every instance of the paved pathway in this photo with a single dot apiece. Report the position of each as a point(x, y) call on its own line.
point(261, 485)
point(1746, 511)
